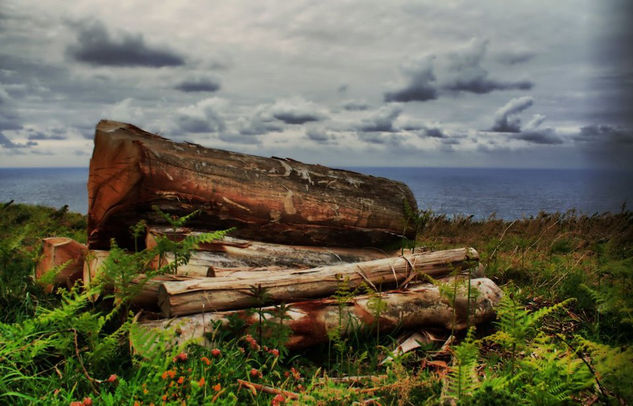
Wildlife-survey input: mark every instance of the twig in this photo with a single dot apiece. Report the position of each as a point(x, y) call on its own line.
point(83, 367)
point(255, 387)
point(500, 240)
point(593, 372)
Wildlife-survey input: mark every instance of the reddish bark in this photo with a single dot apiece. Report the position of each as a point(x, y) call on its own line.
point(57, 251)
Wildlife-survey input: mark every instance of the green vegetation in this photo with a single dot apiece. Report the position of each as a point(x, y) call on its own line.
point(563, 334)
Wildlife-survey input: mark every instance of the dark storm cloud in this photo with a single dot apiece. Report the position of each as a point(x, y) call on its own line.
point(198, 85)
point(382, 120)
point(202, 117)
point(95, 46)
point(504, 121)
point(604, 134)
point(546, 136)
point(455, 72)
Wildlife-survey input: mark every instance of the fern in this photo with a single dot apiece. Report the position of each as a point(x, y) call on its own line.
point(462, 379)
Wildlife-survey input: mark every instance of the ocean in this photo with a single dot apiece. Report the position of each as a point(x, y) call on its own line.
point(480, 192)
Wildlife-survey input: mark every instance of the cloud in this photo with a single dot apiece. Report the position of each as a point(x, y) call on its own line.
point(9, 119)
point(503, 122)
point(513, 57)
point(459, 71)
point(199, 84)
point(95, 46)
point(355, 105)
point(464, 72)
point(605, 134)
point(420, 84)
point(432, 132)
point(381, 121)
point(296, 110)
point(6, 143)
point(202, 117)
point(546, 136)
point(319, 135)
point(35, 135)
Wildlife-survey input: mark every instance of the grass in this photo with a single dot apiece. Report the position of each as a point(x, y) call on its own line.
point(563, 334)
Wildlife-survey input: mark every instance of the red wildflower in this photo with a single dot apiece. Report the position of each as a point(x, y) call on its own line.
point(278, 399)
point(181, 380)
point(217, 387)
point(76, 403)
point(201, 382)
point(87, 402)
point(206, 360)
point(254, 372)
point(275, 352)
point(112, 378)
point(215, 352)
point(182, 357)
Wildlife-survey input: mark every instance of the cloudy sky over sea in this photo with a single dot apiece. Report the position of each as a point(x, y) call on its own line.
point(348, 83)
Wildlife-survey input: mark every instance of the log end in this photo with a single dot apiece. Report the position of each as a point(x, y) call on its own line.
point(57, 251)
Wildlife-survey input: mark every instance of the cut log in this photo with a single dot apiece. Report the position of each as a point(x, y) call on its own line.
point(311, 321)
point(55, 252)
point(240, 254)
point(270, 199)
point(92, 265)
point(220, 293)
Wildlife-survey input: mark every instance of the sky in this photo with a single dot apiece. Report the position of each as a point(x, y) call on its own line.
point(529, 84)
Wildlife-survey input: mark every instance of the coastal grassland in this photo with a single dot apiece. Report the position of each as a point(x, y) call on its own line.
point(563, 334)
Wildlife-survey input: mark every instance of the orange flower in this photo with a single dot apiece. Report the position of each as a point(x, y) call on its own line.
point(164, 397)
point(201, 382)
point(217, 387)
point(255, 372)
point(169, 373)
point(87, 402)
point(112, 378)
point(215, 352)
point(76, 403)
point(181, 380)
point(206, 360)
point(137, 403)
point(275, 352)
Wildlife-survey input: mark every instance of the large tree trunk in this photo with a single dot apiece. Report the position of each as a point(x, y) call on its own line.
point(311, 321)
point(270, 199)
point(233, 292)
point(222, 256)
point(57, 251)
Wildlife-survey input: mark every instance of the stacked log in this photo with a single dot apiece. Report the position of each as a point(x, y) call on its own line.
point(301, 231)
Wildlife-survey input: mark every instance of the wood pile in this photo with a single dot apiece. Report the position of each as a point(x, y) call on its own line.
point(300, 231)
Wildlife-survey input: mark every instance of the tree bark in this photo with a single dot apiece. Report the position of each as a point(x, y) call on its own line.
point(57, 251)
point(233, 292)
point(311, 321)
point(271, 199)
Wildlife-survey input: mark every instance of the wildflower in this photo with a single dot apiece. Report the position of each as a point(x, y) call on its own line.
point(215, 352)
point(241, 349)
point(87, 402)
point(182, 357)
point(217, 387)
point(137, 403)
point(181, 380)
point(201, 382)
point(164, 397)
point(169, 373)
point(279, 399)
point(76, 403)
point(255, 373)
point(275, 352)
point(112, 378)
point(206, 360)
point(295, 373)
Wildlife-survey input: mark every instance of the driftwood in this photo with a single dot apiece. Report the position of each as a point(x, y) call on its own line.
point(232, 292)
point(272, 199)
point(228, 255)
point(57, 251)
point(311, 321)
